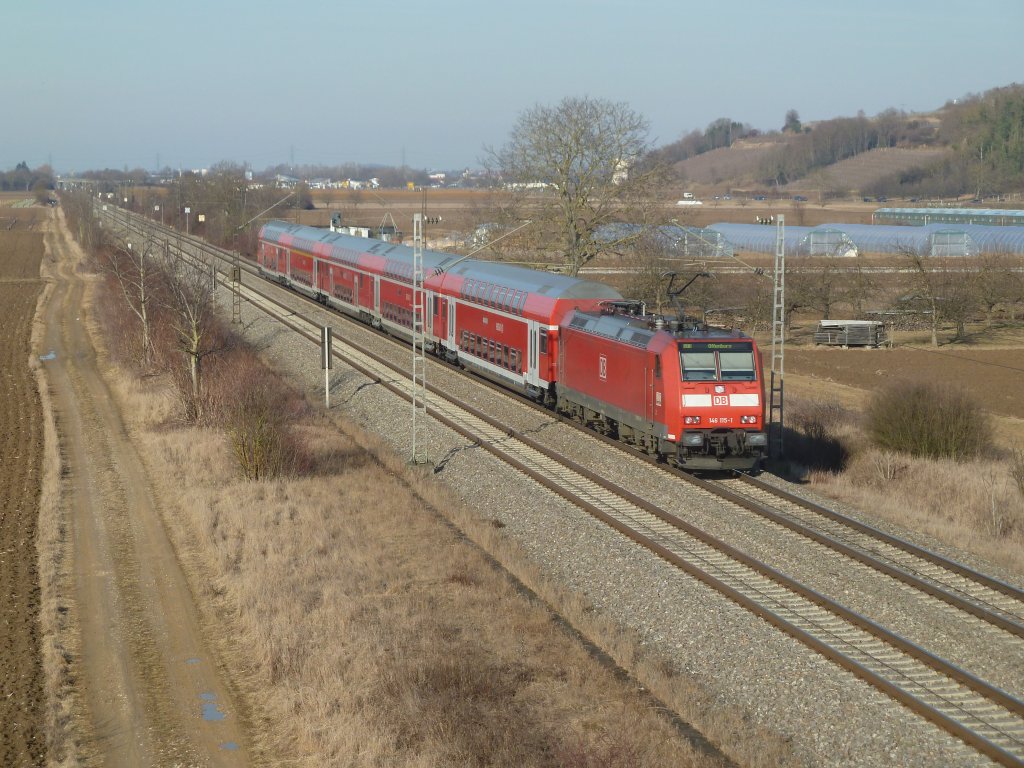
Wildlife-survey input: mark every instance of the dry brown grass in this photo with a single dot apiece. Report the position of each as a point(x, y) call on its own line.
point(374, 634)
point(973, 505)
point(862, 170)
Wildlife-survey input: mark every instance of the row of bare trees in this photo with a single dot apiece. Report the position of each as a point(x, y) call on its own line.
point(927, 291)
point(163, 321)
point(169, 298)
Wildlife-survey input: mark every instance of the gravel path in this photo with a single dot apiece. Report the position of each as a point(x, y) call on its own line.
point(828, 716)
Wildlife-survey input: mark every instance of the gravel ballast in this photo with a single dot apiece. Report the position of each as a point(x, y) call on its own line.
point(828, 716)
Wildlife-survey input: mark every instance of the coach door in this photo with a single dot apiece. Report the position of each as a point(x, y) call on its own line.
point(532, 352)
point(451, 324)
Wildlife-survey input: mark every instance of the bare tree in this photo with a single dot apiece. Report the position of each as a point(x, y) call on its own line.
point(816, 286)
point(575, 167)
point(859, 287)
point(191, 305)
point(994, 283)
point(133, 266)
point(949, 295)
point(925, 285)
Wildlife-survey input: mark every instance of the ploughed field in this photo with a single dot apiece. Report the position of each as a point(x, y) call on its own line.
point(993, 376)
point(21, 447)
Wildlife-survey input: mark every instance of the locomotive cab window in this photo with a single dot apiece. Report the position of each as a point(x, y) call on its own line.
point(717, 361)
point(737, 366)
point(699, 366)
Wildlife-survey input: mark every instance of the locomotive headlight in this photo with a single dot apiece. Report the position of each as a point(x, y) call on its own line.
point(748, 419)
point(691, 420)
point(719, 389)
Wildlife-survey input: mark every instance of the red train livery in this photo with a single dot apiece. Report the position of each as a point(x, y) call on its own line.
point(695, 398)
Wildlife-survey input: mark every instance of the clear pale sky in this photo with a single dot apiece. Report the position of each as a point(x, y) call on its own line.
point(113, 83)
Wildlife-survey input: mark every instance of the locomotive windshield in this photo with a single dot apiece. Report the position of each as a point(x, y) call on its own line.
point(717, 360)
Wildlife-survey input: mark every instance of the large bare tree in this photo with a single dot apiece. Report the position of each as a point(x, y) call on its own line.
point(585, 152)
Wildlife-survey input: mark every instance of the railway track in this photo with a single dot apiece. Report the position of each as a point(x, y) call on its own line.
point(989, 719)
point(963, 588)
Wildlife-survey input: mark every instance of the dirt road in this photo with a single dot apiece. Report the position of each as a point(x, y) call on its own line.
point(150, 688)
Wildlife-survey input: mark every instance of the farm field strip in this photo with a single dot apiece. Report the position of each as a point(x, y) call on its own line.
point(22, 740)
point(622, 511)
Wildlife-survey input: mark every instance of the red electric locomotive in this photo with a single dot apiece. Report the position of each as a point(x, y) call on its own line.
point(695, 398)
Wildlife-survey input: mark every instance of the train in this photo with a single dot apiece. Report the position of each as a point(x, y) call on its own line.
point(686, 393)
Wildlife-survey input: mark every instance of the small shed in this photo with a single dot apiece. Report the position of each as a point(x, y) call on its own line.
point(850, 333)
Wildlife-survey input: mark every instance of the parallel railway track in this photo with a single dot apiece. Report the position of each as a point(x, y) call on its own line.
point(989, 719)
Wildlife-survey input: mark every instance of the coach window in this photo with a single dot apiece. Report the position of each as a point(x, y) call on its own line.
point(504, 356)
point(542, 336)
point(513, 356)
point(501, 297)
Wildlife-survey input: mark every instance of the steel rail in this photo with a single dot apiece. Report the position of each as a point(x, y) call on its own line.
point(894, 541)
point(990, 606)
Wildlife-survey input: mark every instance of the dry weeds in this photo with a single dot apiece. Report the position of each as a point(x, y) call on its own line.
point(972, 505)
point(373, 634)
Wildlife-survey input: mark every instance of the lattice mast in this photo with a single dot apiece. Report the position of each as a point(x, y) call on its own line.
point(419, 356)
point(776, 409)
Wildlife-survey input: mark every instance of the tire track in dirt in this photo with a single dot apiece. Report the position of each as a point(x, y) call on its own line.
point(146, 678)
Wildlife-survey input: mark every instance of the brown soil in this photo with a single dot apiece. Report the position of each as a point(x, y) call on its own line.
point(21, 443)
point(994, 376)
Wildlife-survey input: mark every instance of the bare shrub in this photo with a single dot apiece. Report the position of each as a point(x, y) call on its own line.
point(928, 420)
point(816, 438)
point(969, 503)
point(257, 410)
point(888, 466)
point(1017, 468)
